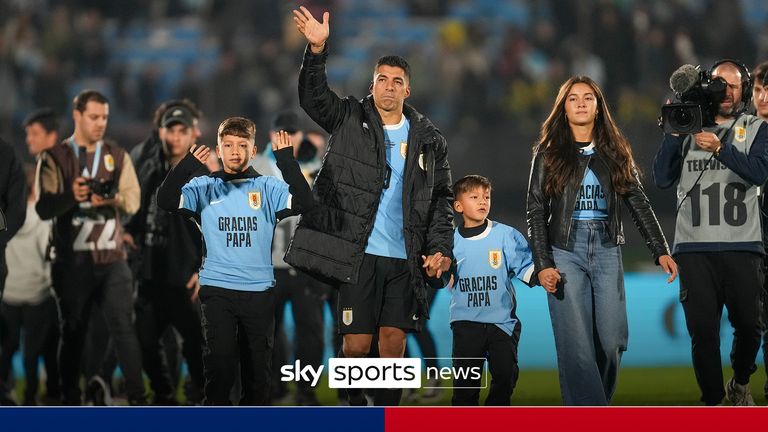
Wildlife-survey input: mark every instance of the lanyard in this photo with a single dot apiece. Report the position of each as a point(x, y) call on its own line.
point(96, 158)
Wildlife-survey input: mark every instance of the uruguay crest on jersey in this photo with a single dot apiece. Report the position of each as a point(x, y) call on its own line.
point(494, 258)
point(740, 134)
point(403, 149)
point(346, 316)
point(254, 199)
point(109, 163)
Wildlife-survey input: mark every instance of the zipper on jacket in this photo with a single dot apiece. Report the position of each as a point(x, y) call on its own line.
point(379, 185)
point(570, 222)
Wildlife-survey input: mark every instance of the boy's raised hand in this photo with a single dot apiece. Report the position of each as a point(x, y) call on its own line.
point(281, 141)
point(200, 152)
point(315, 32)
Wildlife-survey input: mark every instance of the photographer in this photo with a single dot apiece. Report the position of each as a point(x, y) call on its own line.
point(718, 241)
point(87, 184)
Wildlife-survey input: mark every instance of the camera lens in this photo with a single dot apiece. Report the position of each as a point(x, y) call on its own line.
point(682, 117)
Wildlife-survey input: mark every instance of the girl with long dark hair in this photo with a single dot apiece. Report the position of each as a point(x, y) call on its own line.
point(582, 170)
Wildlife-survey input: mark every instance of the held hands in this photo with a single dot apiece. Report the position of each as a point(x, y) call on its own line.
point(670, 267)
point(435, 265)
point(707, 141)
point(315, 32)
point(200, 152)
point(281, 141)
point(548, 278)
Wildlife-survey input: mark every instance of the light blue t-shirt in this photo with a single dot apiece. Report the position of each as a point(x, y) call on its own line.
point(486, 263)
point(237, 218)
point(590, 201)
point(387, 237)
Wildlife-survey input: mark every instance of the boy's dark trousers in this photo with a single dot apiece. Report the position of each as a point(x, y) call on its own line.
point(480, 340)
point(224, 313)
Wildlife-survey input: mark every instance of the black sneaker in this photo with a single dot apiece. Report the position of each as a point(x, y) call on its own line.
point(97, 392)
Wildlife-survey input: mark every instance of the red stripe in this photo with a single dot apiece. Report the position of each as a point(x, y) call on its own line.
point(571, 419)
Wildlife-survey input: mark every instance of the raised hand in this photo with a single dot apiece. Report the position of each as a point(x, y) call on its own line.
point(281, 141)
point(200, 152)
point(315, 32)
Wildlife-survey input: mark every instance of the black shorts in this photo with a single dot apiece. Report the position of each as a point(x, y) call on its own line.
point(382, 297)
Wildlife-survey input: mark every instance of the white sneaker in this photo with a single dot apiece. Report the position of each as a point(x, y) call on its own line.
point(739, 395)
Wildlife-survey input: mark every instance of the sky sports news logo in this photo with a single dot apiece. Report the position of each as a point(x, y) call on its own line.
point(389, 373)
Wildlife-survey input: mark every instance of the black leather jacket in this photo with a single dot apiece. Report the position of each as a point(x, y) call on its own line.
point(549, 219)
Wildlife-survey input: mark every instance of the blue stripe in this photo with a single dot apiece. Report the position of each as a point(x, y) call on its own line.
point(756, 247)
point(188, 419)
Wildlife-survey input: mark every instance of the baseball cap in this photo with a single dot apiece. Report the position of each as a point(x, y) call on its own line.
point(177, 114)
point(287, 121)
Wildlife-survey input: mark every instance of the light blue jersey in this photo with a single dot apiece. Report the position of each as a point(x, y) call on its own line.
point(590, 202)
point(387, 238)
point(237, 218)
point(486, 263)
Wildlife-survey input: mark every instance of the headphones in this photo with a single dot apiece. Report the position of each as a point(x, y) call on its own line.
point(746, 79)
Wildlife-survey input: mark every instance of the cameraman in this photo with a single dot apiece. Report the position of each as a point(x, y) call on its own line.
point(87, 184)
point(718, 241)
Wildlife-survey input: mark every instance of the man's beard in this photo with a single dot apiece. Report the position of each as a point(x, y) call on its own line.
point(730, 112)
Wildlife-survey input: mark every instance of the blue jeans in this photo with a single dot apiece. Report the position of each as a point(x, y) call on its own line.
point(589, 315)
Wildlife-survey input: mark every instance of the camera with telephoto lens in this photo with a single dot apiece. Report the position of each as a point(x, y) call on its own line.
point(698, 95)
point(105, 189)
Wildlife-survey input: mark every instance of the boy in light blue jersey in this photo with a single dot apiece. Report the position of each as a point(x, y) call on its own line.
point(237, 210)
point(483, 302)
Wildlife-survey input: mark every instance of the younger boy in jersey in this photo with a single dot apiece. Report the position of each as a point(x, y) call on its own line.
point(237, 209)
point(483, 301)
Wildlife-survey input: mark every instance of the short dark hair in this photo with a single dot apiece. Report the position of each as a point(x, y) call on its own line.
point(239, 127)
point(469, 183)
point(85, 96)
point(165, 106)
point(760, 72)
point(395, 61)
point(46, 117)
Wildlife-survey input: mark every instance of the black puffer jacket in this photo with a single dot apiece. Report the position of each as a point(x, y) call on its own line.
point(549, 219)
point(330, 240)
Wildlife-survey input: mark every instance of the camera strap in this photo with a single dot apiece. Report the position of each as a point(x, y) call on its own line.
point(96, 158)
point(706, 165)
